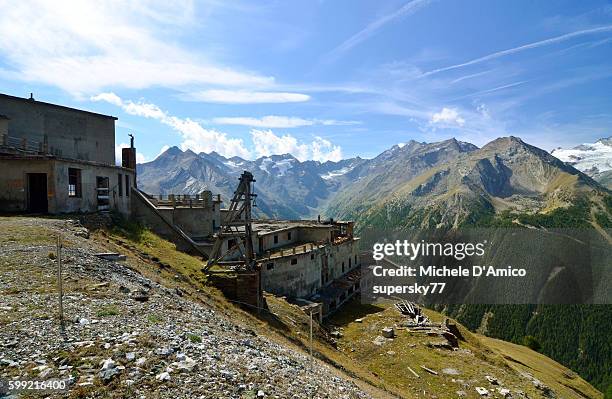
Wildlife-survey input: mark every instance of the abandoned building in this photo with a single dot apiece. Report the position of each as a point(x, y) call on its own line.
point(310, 261)
point(55, 159)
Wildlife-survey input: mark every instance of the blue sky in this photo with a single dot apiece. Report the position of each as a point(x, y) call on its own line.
point(319, 79)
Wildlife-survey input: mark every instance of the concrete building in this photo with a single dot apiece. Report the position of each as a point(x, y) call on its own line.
point(311, 260)
point(55, 159)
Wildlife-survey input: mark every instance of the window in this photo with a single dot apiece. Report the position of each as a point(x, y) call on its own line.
point(270, 266)
point(74, 182)
point(311, 256)
point(289, 236)
point(120, 184)
point(350, 263)
point(127, 185)
point(275, 239)
point(231, 243)
point(214, 224)
point(294, 261)
point(342, 267)
point(355, 259)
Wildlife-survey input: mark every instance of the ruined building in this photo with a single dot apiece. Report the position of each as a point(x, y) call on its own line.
point(56, 159)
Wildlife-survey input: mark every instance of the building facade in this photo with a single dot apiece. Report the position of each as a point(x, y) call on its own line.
point(56, 159)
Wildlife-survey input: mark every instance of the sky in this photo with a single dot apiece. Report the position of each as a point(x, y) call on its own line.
point(322, 80)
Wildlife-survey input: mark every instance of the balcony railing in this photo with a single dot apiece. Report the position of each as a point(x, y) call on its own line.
point(183, 200)
point(23, 144)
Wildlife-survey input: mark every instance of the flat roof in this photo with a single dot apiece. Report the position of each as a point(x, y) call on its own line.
point(265, 226)
point(31, 101)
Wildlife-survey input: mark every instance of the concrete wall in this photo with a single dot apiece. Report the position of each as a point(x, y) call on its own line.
point(14, 183)
point(298, 281)
point(14, 190)
point(304, 278)
point(70, 133)
point(88, 201)
point(266, 241)
point(145, 213)
point(343, 253)
point(195, 222)
point(3, 126)
point(315, 233)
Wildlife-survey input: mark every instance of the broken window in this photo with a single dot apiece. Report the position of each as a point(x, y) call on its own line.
point(294, 261)
point(350, 263)
point(289, 236)
point(120, 184)
point(270, 266)
point(275, 239)
point(311, 256)
point(127, 185)
point(231, 243)
point(342, 267)
point(74, 182)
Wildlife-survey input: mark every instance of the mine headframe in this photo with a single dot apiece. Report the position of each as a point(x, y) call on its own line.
point(237, 226)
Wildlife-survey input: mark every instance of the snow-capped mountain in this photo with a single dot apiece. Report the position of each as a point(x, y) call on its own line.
point(588, 158)
point(593, 159)
point(286, 187)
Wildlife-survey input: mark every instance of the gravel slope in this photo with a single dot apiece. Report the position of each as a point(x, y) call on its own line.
point(127, 336)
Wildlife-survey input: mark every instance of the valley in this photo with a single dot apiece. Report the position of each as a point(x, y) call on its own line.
point(444, 185)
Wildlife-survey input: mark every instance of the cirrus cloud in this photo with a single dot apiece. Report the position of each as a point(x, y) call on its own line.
point(284, 122)
point(245, 97)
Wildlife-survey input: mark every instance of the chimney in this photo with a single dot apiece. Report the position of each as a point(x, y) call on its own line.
point(128, 157)
point(31, 97)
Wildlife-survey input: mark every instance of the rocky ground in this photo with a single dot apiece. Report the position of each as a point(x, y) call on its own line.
point(127, 336)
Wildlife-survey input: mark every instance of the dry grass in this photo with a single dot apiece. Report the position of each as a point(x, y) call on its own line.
point(561, 379)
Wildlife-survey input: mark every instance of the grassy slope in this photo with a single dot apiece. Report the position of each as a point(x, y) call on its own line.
point(160, 261)
point(290, 325)
point(379, 374)
point(478, 356)
point(559, 378)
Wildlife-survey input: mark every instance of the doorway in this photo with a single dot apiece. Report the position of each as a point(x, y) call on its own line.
point(37, 193)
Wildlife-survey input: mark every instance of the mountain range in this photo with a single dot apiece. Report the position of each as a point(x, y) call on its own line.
point(286, 188)
point(447, 183)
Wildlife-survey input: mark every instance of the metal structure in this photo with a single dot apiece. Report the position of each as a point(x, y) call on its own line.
point(238, 218)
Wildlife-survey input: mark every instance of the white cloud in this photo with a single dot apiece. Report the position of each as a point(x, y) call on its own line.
point(195, 137)
point(140, 158)
point(199, 139)
point(284, 122)
point(447, 116)
point(84, 47)
point(267, 143)
point(270, 121)
point(245, 97)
